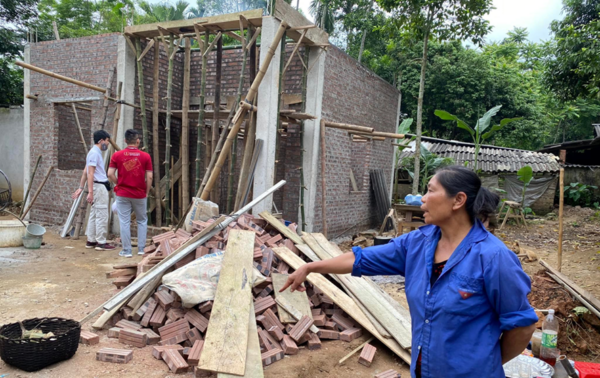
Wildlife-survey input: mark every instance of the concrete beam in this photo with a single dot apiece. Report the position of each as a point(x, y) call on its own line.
point(311, 137)
point(267, 118)
point(126, 63)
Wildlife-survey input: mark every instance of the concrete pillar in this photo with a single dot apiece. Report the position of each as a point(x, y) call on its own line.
point(267, 118)
point(26, 122)
point(126, 63)
point(311, 137)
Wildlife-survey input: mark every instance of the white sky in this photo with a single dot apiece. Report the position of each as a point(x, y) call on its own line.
point(535, 15)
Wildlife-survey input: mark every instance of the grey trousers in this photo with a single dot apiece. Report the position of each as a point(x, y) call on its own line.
point(124, 207)
point(98, 221)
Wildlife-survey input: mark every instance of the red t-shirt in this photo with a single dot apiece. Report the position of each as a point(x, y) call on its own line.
point(131, 165)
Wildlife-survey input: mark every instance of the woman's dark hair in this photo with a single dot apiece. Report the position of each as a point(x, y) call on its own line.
point(99, 135)
point(481, 203)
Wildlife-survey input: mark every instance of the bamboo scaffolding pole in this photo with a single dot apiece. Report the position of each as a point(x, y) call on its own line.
point(323, 179)
point(155, 134)
point(201, 108)
point(185, 128)
point(217, 107)
point(168, 136)
point(561, 202)
point(249, 136)
point(37, 193)
point(345, 126)
point(239, 118)
point(111, 75)
point(294, 51)
point(302, 187)
point(140, 72)
point(83, 206)
point(380, 134)
point(60, 77)
point(37, 164)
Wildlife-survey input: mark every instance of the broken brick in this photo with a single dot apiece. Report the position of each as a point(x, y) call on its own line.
point(88, 338)
point(288, 345)
point(314, 343)
point(367, 355)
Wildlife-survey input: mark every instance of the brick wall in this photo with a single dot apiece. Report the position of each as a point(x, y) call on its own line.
point(70, 153)
point(88, 59)
point(353, 94)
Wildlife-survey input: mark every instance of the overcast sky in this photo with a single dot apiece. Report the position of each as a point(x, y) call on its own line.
point(535, 15)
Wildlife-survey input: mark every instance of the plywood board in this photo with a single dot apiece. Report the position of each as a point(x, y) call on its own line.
point(254, 366)
point(341, 299)
point(298, 299)
point(227, 334)
point(230, 21)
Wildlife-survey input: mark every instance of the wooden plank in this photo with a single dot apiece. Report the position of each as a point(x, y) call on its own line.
point(353, 181)
point(276, 223)
point(393, 321)
point(341, 299)
point(227, 333)
point(589, 297)
point(294, 312)
point(225, 21)
point(254, 366)
point(285, 12)
point(298, 299)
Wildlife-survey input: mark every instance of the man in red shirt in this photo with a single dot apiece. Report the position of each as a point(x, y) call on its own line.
point(134, 181)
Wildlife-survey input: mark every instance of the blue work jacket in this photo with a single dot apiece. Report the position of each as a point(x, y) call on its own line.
point(457, 322)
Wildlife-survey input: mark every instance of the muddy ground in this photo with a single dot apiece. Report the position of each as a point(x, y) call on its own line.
point(65, 279)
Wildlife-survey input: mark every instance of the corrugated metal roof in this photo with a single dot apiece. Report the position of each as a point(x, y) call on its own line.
point(491, 160)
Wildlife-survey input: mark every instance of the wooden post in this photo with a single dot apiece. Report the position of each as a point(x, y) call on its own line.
point(185, 129)
point(37, 164)
point(83, 142)
point(561, 201)
point(140, 71)
point(217, 108)
point(203, 47)
point(323, 179)
point(55, 28)
point(37, 193)
point(155, 135)
point(168, 135)
point(83, 205)
point(302, 187)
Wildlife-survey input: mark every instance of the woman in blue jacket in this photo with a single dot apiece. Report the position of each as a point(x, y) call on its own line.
point(466, 291)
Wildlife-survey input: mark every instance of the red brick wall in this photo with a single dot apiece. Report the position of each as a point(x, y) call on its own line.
point(353, 94)
point(88, 59)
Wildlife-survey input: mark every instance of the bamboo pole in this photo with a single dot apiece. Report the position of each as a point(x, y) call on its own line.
point(217, 107)
point(323, 179)
point(111, 75)
point(561, 202)
point(37, 193)
point(201, 109)
point(37, 164)
point(185, 128)
point(239, 118)
point(112, 149)
point(380, 134)
point(302, 187)
point(60, 77)
point(83, 142)
point(155, 135)
point(294, 51)
point(346, 126)
point(168, 136)
point(140, 72)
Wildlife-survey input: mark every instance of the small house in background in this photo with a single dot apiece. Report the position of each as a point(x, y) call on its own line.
point(498, 169)
point(581, 159)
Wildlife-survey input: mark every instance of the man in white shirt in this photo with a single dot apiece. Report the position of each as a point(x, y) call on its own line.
point(98, 187)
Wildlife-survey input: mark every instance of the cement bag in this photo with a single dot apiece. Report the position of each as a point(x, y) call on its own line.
point(197, 281)
point(200, 211)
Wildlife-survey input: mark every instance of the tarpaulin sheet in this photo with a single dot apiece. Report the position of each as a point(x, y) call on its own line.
point(536, 188)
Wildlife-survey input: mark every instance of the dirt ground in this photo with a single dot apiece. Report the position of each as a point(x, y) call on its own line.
point(64, 279)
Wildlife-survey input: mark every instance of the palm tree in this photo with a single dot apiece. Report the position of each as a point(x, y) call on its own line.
point(162, 12)
point(323, 14)
point(517, 35)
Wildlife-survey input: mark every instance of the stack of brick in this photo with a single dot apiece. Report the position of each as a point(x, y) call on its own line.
point(177, 333)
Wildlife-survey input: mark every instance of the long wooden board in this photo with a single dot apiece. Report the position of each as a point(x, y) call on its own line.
point(341, 299)
point(298, 299)
point(254, 366)
point(380, 309)
point(230, 21)
point(285, 12)
point(589, 297)
point(227, 334)
point(281, 227)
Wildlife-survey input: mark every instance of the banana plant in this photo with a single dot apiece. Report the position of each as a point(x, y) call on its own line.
point(478, 133)
point(430, 162)
point(525, 175)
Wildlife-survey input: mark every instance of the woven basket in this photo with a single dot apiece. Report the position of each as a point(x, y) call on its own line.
point(36, 354)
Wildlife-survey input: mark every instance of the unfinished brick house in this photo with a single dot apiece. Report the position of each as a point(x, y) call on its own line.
point(337, 89)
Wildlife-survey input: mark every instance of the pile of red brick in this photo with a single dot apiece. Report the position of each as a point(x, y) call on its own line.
point(177, 333)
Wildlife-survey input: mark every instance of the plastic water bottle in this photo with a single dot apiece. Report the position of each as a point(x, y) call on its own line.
point(548, 350)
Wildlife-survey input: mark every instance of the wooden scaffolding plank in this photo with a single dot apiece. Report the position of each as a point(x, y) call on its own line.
point(254, 366)
point(281, 227)
point(224, 21)
point(341, 299)
point(227, 336)
point(298, 299)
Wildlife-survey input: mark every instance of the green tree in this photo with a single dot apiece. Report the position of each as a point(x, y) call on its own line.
point(444, 20)
point(164, 11)
point(517, 35)
point(322, 11)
